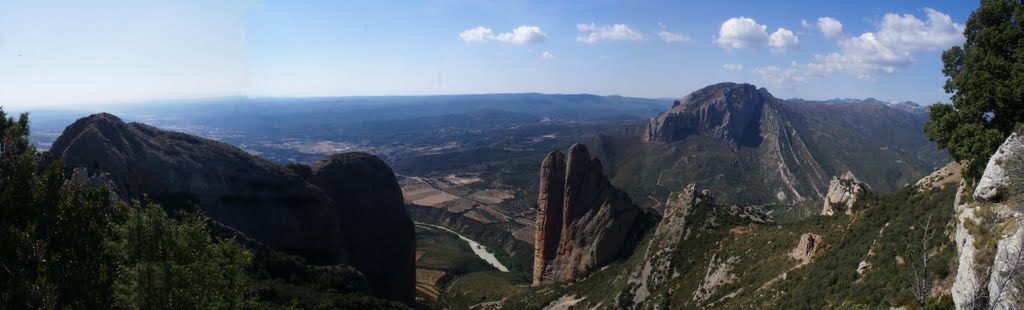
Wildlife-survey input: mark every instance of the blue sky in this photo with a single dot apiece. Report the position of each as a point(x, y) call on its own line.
point(67, 53)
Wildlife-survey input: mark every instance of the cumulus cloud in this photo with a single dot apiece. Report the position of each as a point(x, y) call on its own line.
point(744, 32)
point(520, 35)
point(732, 67)
point(875, 54)
point(593, 33)
point(546, 55)
point(477, 35)
point(783, 40)
point(830, 27)
point(938, 32)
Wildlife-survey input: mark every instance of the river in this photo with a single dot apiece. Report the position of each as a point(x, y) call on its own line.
point(478, 249)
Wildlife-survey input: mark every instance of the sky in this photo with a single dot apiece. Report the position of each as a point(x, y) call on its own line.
point(80, 53)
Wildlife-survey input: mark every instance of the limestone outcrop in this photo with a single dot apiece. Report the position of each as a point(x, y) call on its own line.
point(808, 247)
point(842, 193)
point(991, 276)
point(583, 222)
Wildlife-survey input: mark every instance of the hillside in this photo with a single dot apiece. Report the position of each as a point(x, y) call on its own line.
point(705, 254)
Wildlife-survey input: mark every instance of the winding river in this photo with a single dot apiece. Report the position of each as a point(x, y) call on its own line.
point(478, 249)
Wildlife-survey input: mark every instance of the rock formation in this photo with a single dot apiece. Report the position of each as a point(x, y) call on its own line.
point(990, 278)
point(992, 185)
point(842, 192)
point(807, 248)
point(348, 211)
point(366, 199)
point(726, 111)
point(688, 215)
point(582, 221)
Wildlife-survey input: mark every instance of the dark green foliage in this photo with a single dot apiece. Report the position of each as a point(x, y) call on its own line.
point(986, 79)
point(67, 245)
point(170, 265)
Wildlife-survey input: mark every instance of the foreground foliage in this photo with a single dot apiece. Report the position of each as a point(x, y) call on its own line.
point(986, 79)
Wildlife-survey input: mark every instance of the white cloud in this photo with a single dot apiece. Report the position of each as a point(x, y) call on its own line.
point(744, 32)
point(830, 27)
point(523, 34)
point(477, 35)
point(938, 32)
point(593, 33)
point(520, 35)
point(546, 55)
point(875, 54)
point(732, 67)
point(670, 37)
point(783, 40)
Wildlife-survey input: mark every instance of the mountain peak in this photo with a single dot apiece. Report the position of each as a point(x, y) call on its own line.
point(726, 111)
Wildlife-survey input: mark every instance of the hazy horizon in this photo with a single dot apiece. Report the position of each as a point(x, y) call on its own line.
point(62, 54)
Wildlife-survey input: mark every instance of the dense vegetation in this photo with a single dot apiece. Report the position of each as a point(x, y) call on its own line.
point(986, 79)
point(69, 245)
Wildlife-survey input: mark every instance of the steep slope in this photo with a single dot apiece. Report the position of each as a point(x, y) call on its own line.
point(747, 146)
point(990, 234)
point(271, 204)
point(582, 221)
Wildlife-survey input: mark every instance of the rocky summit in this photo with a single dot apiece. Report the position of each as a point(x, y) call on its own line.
point(727, 111)
point(346, 209)
point(583, 222)
point(842, 193)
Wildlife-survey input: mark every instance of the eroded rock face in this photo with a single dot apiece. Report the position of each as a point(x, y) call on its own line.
point(985, 278)
point(992, 185)
point(598, 223)
point(328, 223)
point(842, 192)
point(807, 248)
point(727, 111)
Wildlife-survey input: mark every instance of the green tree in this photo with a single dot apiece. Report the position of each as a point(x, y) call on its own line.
point(68, 245)
point(176, 265)
point(986, 79)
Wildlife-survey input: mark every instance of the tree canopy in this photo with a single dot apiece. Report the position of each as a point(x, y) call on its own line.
point(985, 78)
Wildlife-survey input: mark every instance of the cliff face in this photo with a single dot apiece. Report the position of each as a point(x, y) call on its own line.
point(726, 111)
point(991, 276)
point(367, 201)
point(582, 221)
point(320, 214)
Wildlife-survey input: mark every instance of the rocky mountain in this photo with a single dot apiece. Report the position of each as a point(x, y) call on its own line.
point(728, 112)
point(747, 146)
point(346, 209)
point(582, 221)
